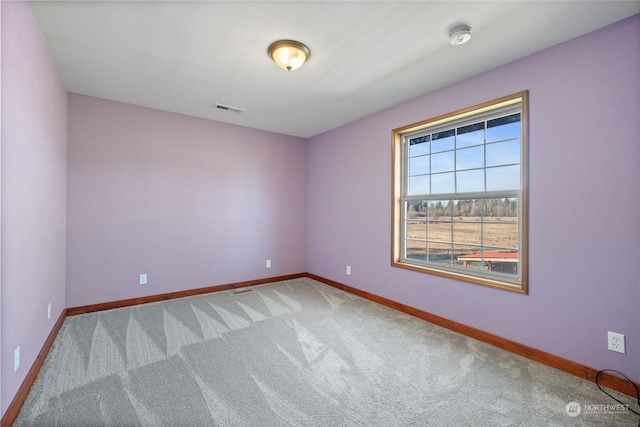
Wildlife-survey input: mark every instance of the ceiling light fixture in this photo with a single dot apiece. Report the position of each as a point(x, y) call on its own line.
point(289, 54)
point(460, 35)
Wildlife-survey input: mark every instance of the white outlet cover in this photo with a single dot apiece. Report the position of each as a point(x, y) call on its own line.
point(143, 279)
point(49, 311)
point(615, 342)
point(348, 270)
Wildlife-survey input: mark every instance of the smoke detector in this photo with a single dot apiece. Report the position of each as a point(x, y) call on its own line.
point(460, 35)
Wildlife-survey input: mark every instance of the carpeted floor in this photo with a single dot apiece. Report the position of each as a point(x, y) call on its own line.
point(294, 353)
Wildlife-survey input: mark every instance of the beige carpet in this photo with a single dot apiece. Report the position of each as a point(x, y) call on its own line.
point(294, 353)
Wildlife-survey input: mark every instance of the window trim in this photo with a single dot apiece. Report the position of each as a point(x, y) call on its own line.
point(398, 136)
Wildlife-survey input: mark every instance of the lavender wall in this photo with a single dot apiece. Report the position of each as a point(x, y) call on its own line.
point(196, 203)
point(584, 197)
point(34, 154)
point(190, 202)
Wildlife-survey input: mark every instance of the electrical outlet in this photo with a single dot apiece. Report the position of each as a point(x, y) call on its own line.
point(49, 311)
point(16, 359)
point(616, 342)
point(143, 279)
point(268, 263)
point(348, 270)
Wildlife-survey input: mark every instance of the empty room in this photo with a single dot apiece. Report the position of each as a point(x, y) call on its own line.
point(320, 213)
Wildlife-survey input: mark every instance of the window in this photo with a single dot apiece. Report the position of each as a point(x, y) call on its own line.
point(459, 194)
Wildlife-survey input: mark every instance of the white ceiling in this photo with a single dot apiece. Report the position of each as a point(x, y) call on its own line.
point(186, 56)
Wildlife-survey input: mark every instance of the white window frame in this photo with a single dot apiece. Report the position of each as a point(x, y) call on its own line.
point(400, 140)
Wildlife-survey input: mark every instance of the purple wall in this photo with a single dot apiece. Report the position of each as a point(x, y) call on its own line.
point(34, 157)
point(584, 198)
point(190, 202)
point(196, 203)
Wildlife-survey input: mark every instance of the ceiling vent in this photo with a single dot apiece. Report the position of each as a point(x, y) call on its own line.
point(229, 108)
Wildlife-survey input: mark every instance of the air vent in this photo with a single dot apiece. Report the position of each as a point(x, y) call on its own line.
point(244, 291)
point(229, 108)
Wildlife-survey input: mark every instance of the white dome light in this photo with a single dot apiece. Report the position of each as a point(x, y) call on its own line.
point(289, 54)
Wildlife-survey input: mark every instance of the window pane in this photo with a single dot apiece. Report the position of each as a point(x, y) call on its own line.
point(503, 178)
point(505, 209)
point(506, 127)
point(468, 181)
point(416, 249)
point(470, 158)
point(469, 257)
point(416, 230)
point(470, 135)
point(501, 261)
point(502, 235)
point(467, 208)
point(443, 183)
point(415, 209)
point(439, 231)
point(419, 165)
point(419, 146)
point(467, 232)
point(439, 253)
point(442, 162)
point(503, 153)
point(440, 209)
point(443, 141)
point(419, 185)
